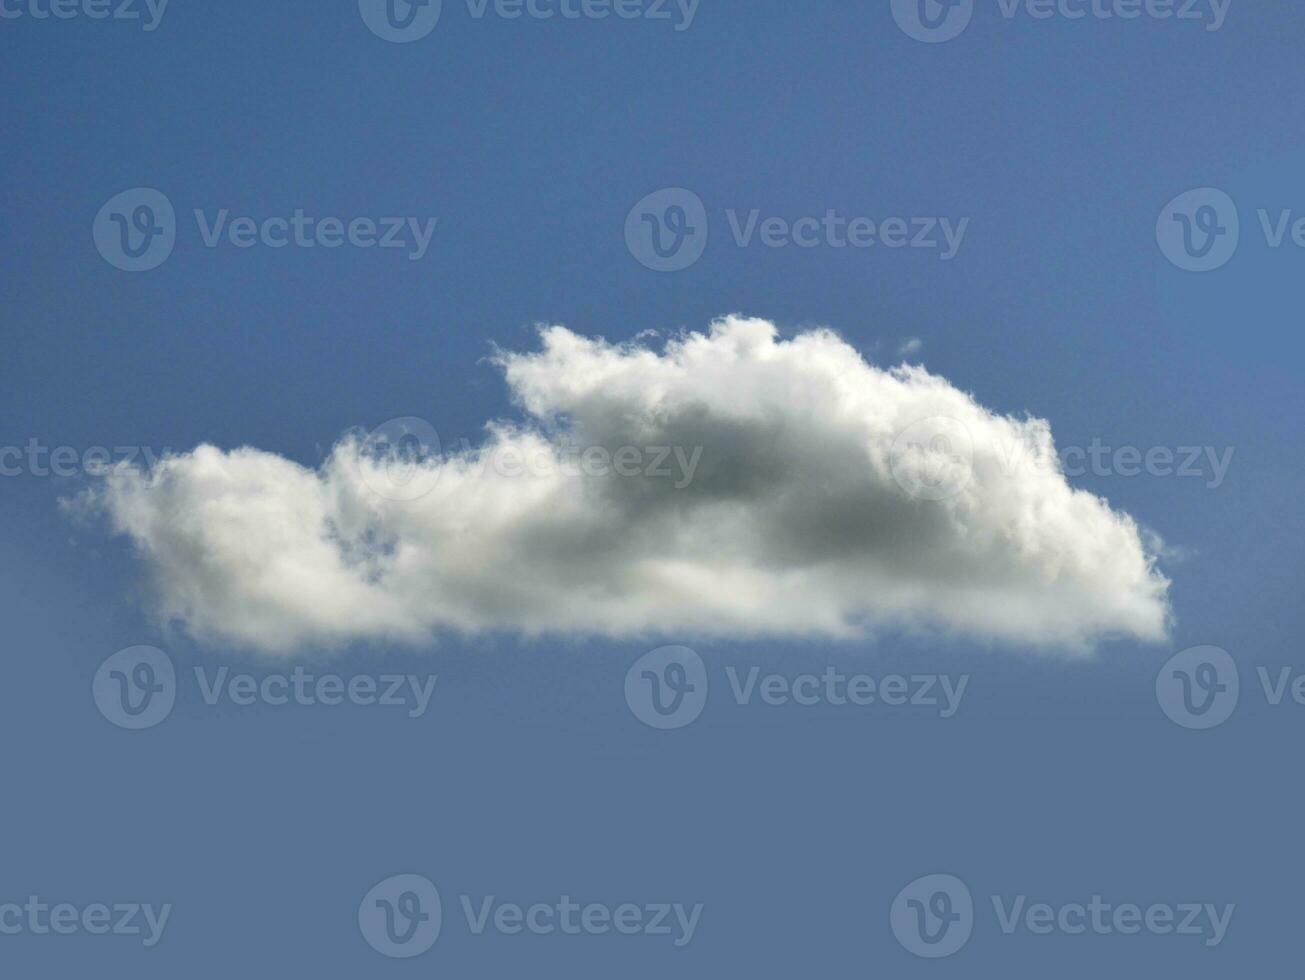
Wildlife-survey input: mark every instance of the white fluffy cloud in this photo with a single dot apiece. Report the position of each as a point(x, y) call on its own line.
point(733, 484)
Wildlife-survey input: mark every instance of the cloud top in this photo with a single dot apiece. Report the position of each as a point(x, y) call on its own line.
point(729, 483)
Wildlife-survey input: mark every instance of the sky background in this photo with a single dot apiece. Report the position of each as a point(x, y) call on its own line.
point(529, 778)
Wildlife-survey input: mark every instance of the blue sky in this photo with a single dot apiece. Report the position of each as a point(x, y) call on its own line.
point(1061, 140)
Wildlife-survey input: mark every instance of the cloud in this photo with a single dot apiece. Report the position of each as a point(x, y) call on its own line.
point(732, 484)
point(910, 347)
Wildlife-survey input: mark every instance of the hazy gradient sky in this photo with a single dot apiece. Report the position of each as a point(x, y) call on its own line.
point(529, 777)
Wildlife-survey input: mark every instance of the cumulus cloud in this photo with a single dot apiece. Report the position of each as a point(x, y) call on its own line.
point(727, 483)
point(910, 347)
